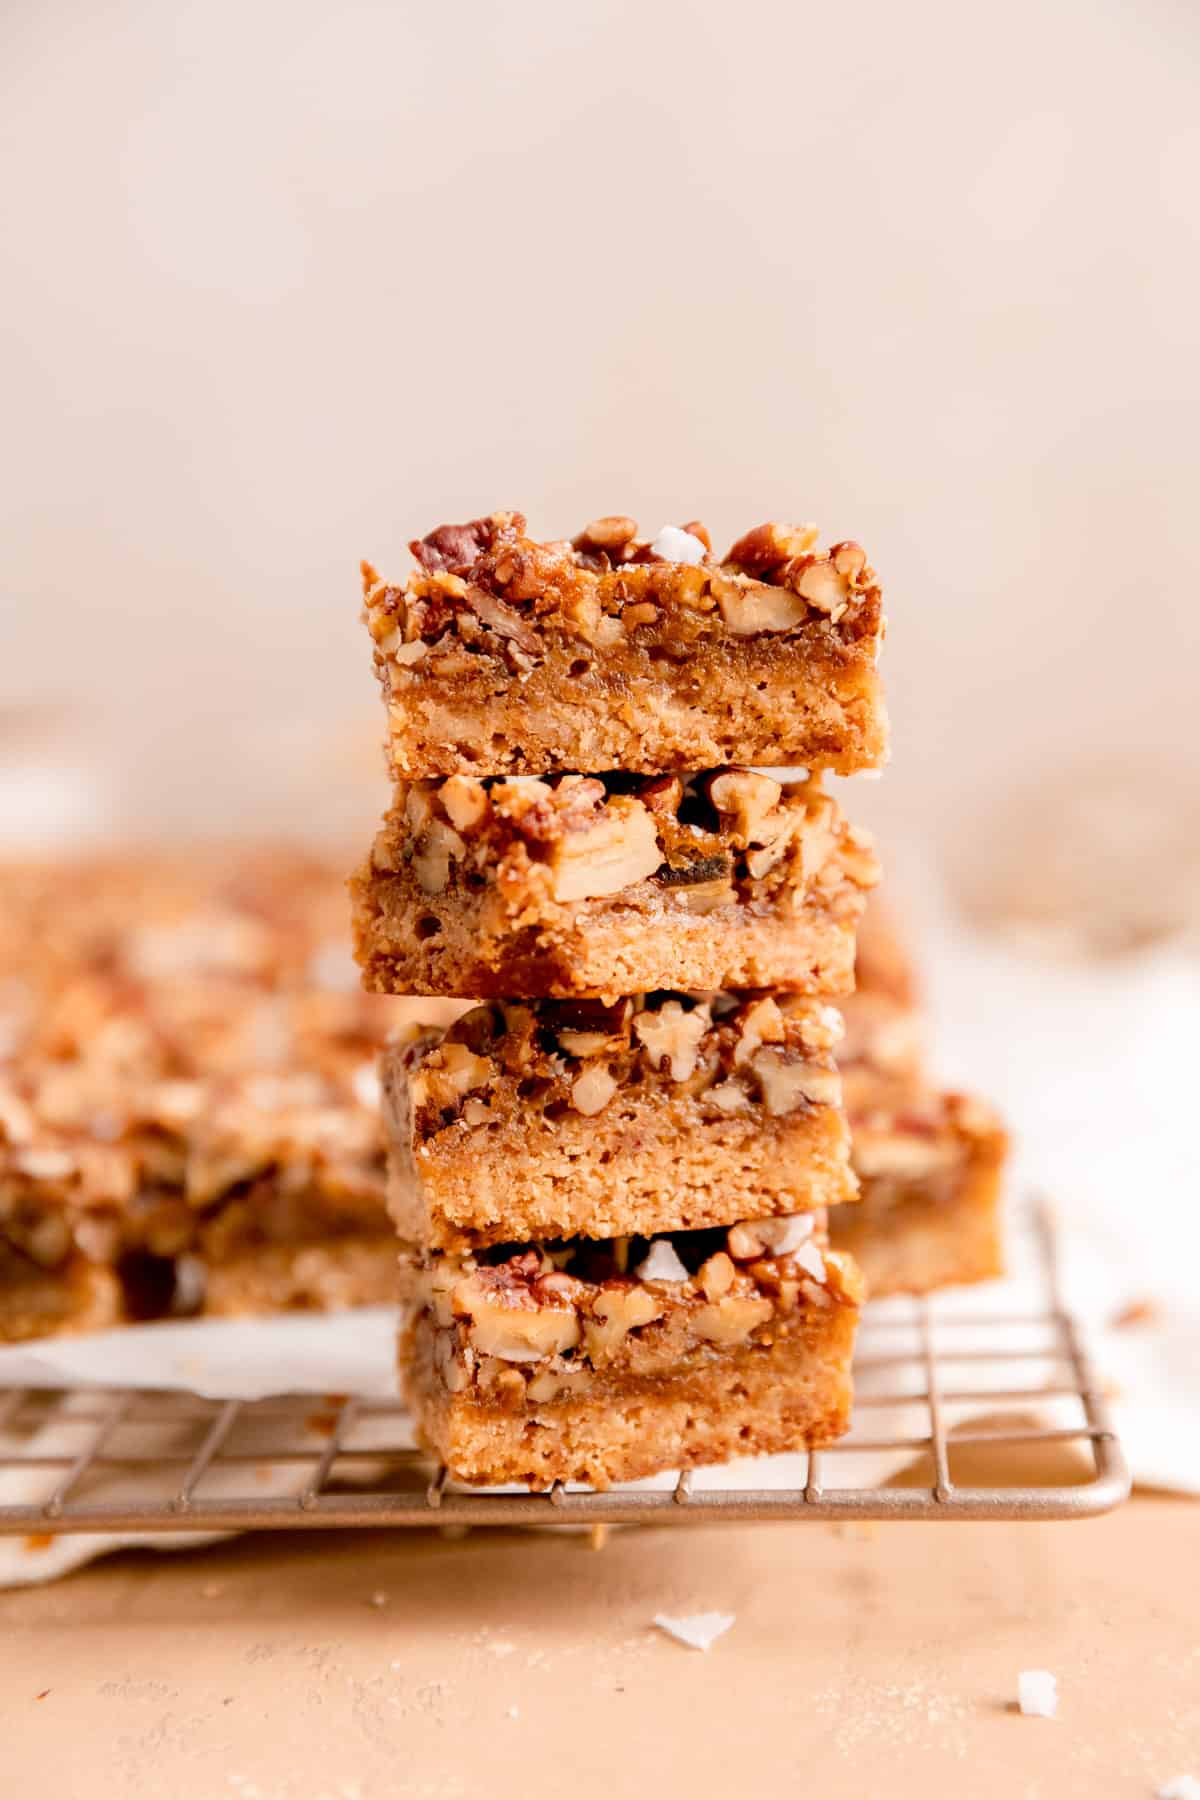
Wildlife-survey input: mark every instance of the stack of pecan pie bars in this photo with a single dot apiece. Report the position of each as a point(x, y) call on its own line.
point(621, 1168)
point(613, 1173)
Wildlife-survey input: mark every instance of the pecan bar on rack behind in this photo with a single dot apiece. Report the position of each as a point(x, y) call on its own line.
point(613, 884)
point(188, 1092)
point(572, 1118)
point(930, 1163)
point(931, 1172)
point(503, 655)
point(603, 1362)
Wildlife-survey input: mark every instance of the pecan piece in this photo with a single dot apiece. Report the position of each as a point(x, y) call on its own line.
point(769, 546)
point(761, 1023)
point(786, 1085)
point(453, 549)
point(592, 1091)
point(516, 1333)
point(728, 1097)
point(817, 580)
point(673, 1036)
point(715, 1276)
point(613, 535)
point(448, 1075)
point(618, 1310)
point(731, 1320)
point(744, 798)
point(750, 608)
point(619, 849)
point(435, 850)
point(465, 801)
point(504, 620)
point(781, 1236)
point(850, 560)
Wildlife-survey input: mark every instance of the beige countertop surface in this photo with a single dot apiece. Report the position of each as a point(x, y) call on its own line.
point(867, 1661)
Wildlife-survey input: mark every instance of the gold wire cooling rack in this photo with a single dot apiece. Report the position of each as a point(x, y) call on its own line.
point(102, 1460)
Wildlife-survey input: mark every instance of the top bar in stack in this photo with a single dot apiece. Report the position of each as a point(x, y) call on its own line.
point(501, 655)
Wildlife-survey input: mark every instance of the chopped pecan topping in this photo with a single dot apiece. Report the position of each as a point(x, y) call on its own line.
point(787, 1085)
point(564, 1306)
point(732, 1051)
point(453, 549)
point(614, 536)
point(487, 588)
point(673, 1036)
point(715, 1277)
point(731, 1320)
point(746, 798)
point(818, 581)
point(465, 801)
point(618, 850)
point(761, 1023)
point(753, 1238)
point(768, 547)
point(619, 1309)
point(446, 1078)
point(592, 1091)
point(512, 1329)
point(504, 620)
point(439, 845)
point(754, 608)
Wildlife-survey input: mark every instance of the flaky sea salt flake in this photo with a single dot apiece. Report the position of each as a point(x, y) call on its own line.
point(699, 1631)
point(661, 1263)
point(674, 545)
point(1037, 1693)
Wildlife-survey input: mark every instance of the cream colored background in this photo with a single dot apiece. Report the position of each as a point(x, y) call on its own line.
point(287, 283)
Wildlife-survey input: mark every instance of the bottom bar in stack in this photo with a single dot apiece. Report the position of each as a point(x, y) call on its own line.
point(608, 1361)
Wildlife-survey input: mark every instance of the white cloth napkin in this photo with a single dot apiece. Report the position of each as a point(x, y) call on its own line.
point(1095, 1067)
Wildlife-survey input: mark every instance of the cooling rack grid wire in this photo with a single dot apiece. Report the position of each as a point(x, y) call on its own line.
point(936, 1380)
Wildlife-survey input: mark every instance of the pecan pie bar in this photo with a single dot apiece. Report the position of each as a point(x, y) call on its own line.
point(611, 884)
point(931, 1177)
point(188, 1093)
point(503, 655)
point(930, 1164)
point(138, 1195)
point(572, 1118)
point(603, 1362)
point(884, 1049)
